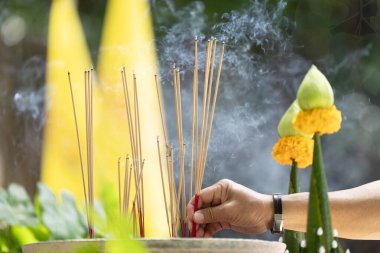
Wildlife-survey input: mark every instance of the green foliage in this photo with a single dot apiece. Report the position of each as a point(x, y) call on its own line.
point(319, 209)
point(21, 222)
point(88, 249)
point(117, 225)
point(64, 221)
point(16, 208)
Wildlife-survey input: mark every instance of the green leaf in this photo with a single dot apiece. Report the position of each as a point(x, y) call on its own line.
point(65, 221)
point(23, 235)
point(88, 249)
point(41, 232)
point(117, 225)
point(125, 245)
point(319, 209)
point(16, 208)
point(8, 243)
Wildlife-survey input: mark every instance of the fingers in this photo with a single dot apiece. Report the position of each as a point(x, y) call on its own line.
point(213, 228)
point(210, 229)
point(212, 214)
point(215, 194)
point(207, 197)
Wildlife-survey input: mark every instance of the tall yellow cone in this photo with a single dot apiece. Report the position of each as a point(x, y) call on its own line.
point(67, 50)
point(128, 41)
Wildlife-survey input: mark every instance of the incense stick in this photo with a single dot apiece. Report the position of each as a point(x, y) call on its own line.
point(161, 113)
point(129, 187)
point(170, 191)
point(205, 86)
point(209, 89)
point(129, 112)
point(182, 151)
point(140, 155)
point(88, 103)
point(119, 184)
point(214, 103)
point(163, 184)
point(126, 185)
point(80, 150)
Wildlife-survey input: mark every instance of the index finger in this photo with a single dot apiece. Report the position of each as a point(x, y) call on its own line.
point(210, 196)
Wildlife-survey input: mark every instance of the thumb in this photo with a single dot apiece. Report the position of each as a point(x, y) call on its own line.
point(211, 214)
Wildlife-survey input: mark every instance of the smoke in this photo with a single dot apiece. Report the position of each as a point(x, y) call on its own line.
point(259, 68)
point(22, 116)
point(29, 100)
point(260, 77)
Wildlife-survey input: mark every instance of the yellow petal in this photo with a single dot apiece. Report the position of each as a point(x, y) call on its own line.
point(297, 148)
point(319, 120)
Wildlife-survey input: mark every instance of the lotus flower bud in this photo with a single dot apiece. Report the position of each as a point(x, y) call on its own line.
point(285, 127)
point(315, 91)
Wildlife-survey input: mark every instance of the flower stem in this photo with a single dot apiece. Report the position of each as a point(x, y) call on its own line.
point(294, 182)
point(292, 239)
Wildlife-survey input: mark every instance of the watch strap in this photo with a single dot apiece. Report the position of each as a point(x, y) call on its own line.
point(278, 221)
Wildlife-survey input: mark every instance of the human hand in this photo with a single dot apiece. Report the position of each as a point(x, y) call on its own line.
point(228, 205)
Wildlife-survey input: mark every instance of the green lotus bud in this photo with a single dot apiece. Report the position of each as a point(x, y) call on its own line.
point(315, 91)
point(285, 127)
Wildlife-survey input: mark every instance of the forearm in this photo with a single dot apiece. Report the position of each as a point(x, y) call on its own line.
point(355, 212)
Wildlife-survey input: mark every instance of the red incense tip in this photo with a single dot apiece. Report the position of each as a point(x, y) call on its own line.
point(91, 232)
point(194, 227)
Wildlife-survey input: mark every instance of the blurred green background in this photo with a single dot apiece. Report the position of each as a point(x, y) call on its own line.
point(340, 37)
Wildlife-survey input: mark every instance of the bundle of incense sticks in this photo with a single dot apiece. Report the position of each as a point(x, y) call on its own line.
point(200, 138)
point(88, 191)
point(175, 203)
point(137, 163)
point(133, 169)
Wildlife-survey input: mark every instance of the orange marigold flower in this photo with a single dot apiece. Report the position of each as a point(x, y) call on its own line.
point(297, 148)
point(318, 120)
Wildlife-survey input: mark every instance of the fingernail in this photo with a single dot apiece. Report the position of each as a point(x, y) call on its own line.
point(199, 217)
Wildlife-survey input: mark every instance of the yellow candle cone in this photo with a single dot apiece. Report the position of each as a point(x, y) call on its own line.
point(128, 41)
point(67, 50)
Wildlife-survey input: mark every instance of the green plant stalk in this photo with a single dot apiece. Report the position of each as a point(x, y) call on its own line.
point(319, 209)
point(292, 239)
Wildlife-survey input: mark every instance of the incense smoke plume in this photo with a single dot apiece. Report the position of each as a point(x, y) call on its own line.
point(259, 68)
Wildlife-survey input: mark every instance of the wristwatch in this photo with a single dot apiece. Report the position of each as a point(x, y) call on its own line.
point(278, 222)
